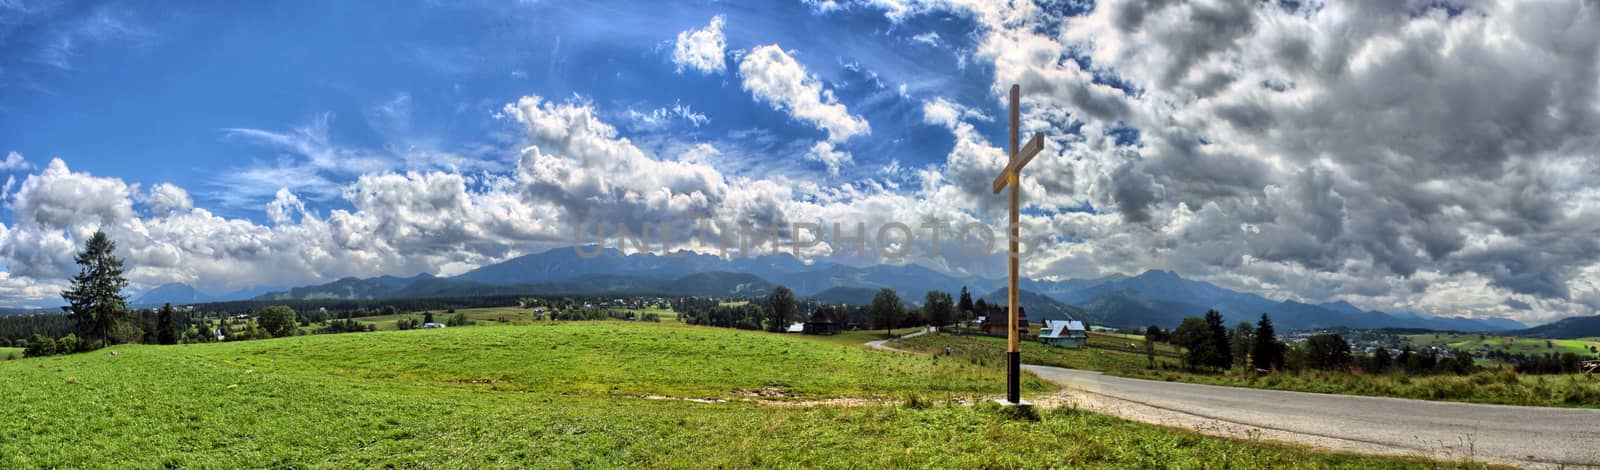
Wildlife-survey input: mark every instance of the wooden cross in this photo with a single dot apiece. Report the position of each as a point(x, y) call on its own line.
point(1011, 178)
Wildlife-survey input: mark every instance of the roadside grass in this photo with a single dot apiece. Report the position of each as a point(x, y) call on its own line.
point(387, 400)
point(1494, 386)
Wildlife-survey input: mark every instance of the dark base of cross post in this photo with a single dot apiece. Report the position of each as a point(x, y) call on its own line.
point(1014, 380)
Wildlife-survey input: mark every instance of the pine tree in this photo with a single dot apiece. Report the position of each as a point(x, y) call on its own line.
point(965, 307)
point(1268, 352)
point(95, 302)
point(166, 325)
point(1221, 352)
point(1244, 337)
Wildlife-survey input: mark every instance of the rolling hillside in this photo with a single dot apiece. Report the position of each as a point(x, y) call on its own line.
point(1568, 328)
point(1039, 307)
point(574, 394)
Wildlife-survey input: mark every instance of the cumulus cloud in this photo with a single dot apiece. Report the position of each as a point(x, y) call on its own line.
point(776, 78)
point(1377, 153)
point(1398, 155)
point(702, 49)
point(830, 157)
point(14, 162)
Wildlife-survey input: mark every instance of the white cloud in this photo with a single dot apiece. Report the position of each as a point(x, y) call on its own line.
point(166, 197)
point(660, 118)
point(774, 77)
point(831, 157)
point(702, 49)
point(14, 162)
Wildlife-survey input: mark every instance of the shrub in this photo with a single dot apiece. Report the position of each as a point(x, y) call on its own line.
point(40, 346)
point(67, 344)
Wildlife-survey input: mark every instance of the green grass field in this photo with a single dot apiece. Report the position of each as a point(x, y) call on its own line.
point(1511, 344)
point(1497, 387)
point(488, 314)
point(664, 313)
point(564, 395)
point(7, 353)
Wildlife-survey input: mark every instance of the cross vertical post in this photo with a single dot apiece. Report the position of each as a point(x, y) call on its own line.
point(1011, 178)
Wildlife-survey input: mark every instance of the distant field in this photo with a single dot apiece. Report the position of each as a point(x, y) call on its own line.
point(6, 353)
point(664, 313)
point(1514, 345)
point(561, 395)
point(1498, 387)
point(488, 314)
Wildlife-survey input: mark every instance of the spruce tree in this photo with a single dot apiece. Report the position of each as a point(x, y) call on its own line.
point(1268, 352)
point(95, 302)
point(166, 325)
point(1221, 353)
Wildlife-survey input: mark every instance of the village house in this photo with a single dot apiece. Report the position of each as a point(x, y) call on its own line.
point(1064, 333)
point(994, 322)
point(824, 320)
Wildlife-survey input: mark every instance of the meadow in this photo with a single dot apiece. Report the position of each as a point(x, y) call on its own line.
point(10, 353)
point(1510, 344)
point(514, 315)
point(1500, 386)
point(572, 394)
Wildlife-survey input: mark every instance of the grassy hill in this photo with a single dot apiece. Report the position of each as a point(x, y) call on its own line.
point(1575, 327)
point(591, 394)
point(1510, 344)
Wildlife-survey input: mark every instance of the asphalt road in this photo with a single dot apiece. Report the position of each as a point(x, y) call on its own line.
point(1558, 436)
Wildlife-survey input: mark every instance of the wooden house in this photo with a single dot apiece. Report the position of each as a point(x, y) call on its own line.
point(824, 320)
point(994, 322)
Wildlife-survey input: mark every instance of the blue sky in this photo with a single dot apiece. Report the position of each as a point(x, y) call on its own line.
point(1418, 155)
point(161, 88)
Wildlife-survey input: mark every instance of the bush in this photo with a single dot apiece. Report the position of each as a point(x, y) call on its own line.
point(67, 344)
point(40, 346)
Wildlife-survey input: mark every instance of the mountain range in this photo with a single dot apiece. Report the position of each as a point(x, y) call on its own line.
point(1154, 297)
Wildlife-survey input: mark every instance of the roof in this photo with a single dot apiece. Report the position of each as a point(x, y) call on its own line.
point(825, 315)
point(1055, 328)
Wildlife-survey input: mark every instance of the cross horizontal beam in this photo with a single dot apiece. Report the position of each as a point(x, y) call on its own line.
point(1021, 159)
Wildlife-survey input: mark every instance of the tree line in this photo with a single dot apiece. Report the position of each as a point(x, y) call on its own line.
point(780, 309)
point(1209, 345)
point(97, 315)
